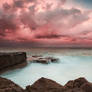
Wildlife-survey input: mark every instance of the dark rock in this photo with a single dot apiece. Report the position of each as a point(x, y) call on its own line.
point(79, 82)
point(35, 56)
point(43, 60)
point(78, 85)
point(52, 59)
point(87, 87)
point(10, 60)
point(8, 86)
point(45, 85)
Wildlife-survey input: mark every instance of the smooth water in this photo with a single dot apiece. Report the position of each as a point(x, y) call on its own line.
point(71, 66)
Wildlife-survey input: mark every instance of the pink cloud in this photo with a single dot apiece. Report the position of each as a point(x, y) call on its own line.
point(48, 24)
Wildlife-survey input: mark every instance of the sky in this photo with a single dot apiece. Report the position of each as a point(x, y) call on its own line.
point(45, 23)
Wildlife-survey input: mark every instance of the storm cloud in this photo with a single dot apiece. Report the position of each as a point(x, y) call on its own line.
point(44, 22)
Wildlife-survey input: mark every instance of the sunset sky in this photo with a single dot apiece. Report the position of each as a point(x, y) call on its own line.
point(45, 23)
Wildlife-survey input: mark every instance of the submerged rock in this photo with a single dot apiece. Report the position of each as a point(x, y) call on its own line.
point(35, 56)
point(8, 60)
point(43, 60)
point(52, 59)
point(9, 86)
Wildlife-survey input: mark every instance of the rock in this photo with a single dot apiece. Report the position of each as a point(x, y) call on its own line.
point(52, 59)
point(87, 87)
point(39, 60)
point(8, 86)
point(10, 60)
point(78, 85)
point(45, 85)
point(36, 56)
point(43, 60)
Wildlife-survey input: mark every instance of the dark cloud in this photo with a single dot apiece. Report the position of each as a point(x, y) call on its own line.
point(9, 18)
point(51, 36)
point(28, 20)
point(7, 22)
point(73, 16)
point(18, 3)
point(6, 6)
point(21, 3)
point(23, 44)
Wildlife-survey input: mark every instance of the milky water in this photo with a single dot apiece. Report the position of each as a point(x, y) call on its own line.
point(72, 64)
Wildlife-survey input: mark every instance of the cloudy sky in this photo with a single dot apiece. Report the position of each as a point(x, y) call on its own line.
point(45, 23)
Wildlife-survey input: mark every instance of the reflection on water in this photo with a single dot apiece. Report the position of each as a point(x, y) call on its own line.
point(69, 67)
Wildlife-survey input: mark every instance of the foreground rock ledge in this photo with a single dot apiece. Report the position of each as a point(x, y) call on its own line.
point(10, 60)
point(47, 85)
point(9, 86)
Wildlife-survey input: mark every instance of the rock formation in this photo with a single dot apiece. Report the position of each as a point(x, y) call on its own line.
point(46, 85)
point(78, 85)
point(52, 59)
point(8, 60)
point(9, 86)
point(43, 60)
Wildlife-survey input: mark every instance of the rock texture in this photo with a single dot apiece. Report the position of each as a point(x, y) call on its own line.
point(9, 86)
point(8, 60)
point(46, 85)
point(78, 85)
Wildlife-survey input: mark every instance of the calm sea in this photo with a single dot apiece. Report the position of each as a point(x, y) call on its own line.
point(73, 63)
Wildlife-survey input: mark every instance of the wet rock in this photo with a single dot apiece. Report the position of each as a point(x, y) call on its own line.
point(52, 59)
point(36, 56)
point(45, 85)
point(9, 86)
point(43, 60)
point(10, 60)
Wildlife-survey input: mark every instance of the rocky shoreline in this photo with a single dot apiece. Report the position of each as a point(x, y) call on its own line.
point(47, 85)
point(10, 60)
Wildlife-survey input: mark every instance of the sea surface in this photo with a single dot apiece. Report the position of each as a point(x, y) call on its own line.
point(73, 63)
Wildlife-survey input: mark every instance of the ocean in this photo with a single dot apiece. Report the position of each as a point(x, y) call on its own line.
point(73, 63)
